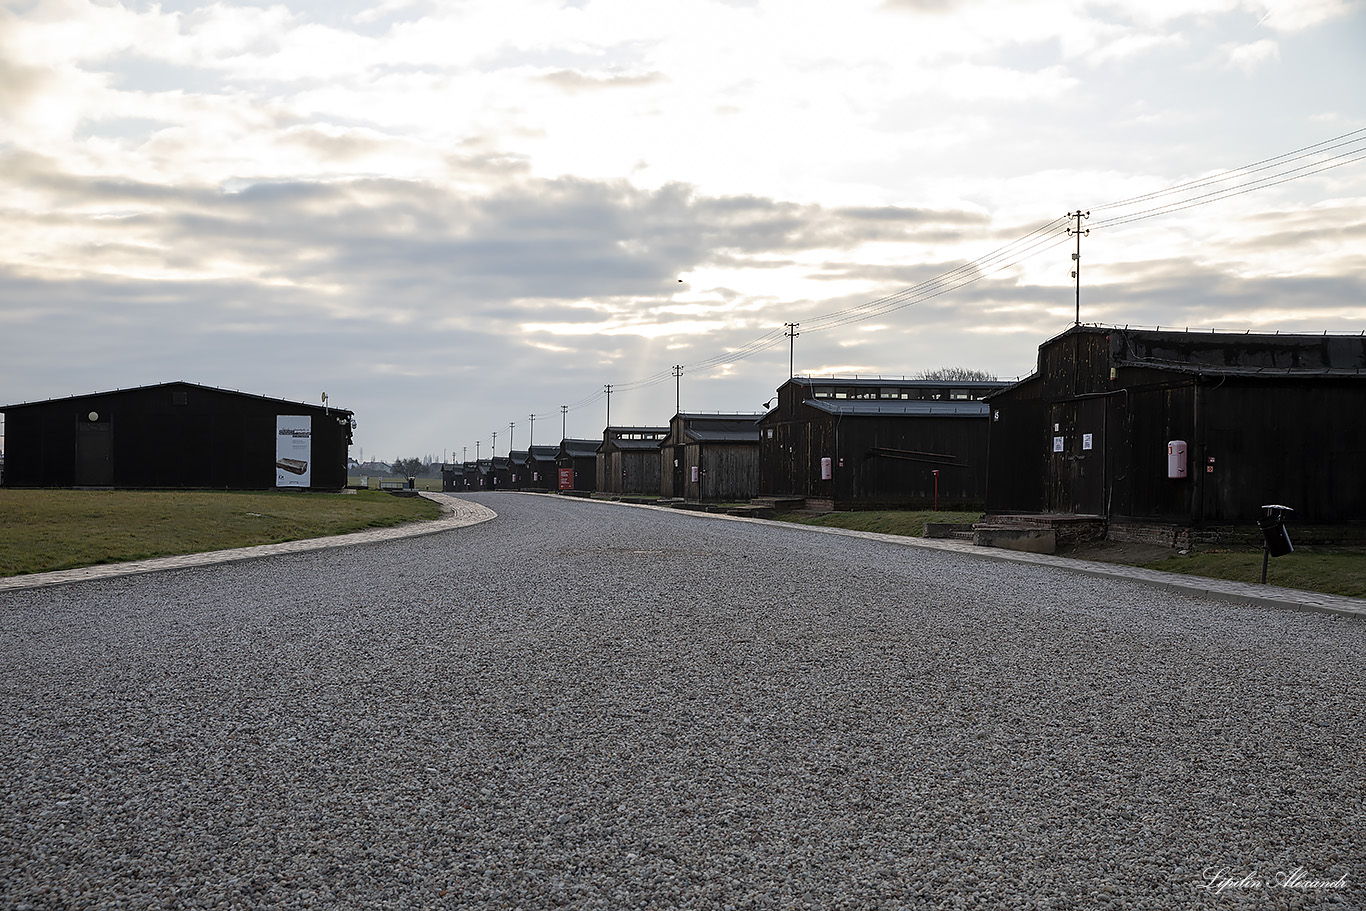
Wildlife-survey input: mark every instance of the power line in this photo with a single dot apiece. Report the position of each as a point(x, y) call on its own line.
point(1227, 193)
point(1307, 151)
point(1352, 146)
point(1026, 247)
point(965, 275)
point(949, 281)
point(893, 301)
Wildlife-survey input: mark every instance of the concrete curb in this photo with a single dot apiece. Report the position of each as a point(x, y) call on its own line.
point(458, 513)
point(455, 514)
point(1243, 592)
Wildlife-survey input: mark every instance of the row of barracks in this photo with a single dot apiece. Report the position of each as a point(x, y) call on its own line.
point(1187, 428)
point(843, 443)
point(1184, 428)
point(1192, 428)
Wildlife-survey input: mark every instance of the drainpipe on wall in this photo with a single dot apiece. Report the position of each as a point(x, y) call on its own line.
point(1197, 458)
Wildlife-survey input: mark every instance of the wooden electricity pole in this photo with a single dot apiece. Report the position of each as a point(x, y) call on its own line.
point(1076, 257)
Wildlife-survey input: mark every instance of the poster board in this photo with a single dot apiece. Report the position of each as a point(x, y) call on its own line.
point(293, 450)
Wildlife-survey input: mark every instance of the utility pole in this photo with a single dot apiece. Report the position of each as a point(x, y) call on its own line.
point(678, 385)
point(464, 454)
point(493, 450)
point(1076, 257)
point(608, 389)
point(511, 425)
point(791, 334)
point(532, 441)
point(564, 422)
point(476, 452)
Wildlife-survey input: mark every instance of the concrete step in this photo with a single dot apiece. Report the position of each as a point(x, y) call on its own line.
point(780, 504)
point(1037, 532)
point(1016, 537)
point(948, 530)
point(1040, 520)
point(753, 511)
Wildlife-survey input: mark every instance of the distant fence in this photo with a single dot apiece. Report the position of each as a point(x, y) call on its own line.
point(374, 481)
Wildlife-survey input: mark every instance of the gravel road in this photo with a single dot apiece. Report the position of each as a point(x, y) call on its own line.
point(585, 705)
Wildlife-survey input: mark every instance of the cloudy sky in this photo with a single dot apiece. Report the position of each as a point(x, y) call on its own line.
point(451, 215)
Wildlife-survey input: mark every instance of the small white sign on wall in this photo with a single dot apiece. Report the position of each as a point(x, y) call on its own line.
point(1057, 444)
point(1086, 441)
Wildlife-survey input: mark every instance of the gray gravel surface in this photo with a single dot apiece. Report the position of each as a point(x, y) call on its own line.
point(583, 705)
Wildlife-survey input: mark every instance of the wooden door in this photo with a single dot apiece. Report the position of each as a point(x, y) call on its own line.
point(94, 454)
point(1077, 476)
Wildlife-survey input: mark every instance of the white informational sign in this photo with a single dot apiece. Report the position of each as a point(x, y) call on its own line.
point(1086, 441)
point(1057, 444)
point(293, 450)
point(694, 474)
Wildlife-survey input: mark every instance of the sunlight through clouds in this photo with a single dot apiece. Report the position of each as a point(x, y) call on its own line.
point(374, 195)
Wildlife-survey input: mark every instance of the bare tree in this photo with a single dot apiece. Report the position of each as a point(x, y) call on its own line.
point(955, 374)
point(408, 468)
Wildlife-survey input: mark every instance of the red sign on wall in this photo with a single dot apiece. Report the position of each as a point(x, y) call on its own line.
point(566, 479)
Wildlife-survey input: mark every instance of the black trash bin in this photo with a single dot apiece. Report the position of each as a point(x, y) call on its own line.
point(1272, 524)
point(1276, 539)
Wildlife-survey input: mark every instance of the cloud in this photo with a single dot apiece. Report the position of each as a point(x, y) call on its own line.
point(575, 81)
point(1299, 15)
point(21, 86)
point(337, 146)
point(844, 369)
point(426, 249)
point(486, 207)
point(1130, 46)
point(1250, 57)
point(930, 7)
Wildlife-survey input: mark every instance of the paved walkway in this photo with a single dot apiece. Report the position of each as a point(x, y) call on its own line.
point(459, 513)
point(456, 513)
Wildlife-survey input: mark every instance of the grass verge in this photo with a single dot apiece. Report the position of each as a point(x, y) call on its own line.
point(888, 522)
point(1332, 571)
point(45, 530)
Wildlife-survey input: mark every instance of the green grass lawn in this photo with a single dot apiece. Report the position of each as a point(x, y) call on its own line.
point(887, 522)
point(43, 530)
point(1333, 571)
